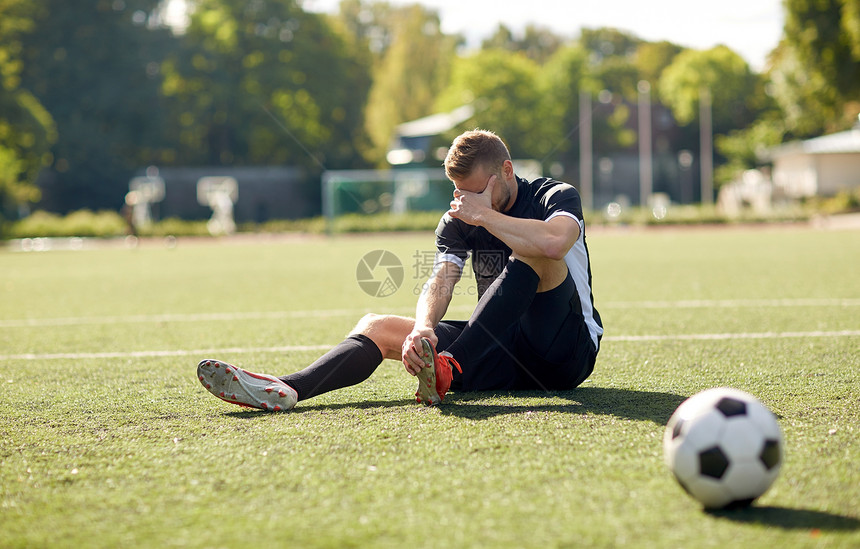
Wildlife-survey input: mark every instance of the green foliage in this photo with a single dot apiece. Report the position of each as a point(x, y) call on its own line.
point(81, 223)
point(743, 149)
point(26, 128)
point(402, 89)
point(94, 65)
point(95, 90)
point(175, 227)
point(412, 221)
point(652, 58)
point(506, 89)
point(604, 43)
point(845, 201)
point(826, 36)
point(728, 77)
point(559, 83)
point(815, 71)
point(247, 88)
point(537, 43)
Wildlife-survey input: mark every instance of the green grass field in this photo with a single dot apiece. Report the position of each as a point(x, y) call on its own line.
point(108, 440)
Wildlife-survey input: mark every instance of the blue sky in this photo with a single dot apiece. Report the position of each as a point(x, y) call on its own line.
point(750, 27)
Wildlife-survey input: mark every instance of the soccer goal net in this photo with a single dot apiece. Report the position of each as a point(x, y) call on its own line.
point(384, 191)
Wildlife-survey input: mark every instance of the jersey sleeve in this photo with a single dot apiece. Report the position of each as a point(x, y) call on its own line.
point(561, 199)
point(450, 242)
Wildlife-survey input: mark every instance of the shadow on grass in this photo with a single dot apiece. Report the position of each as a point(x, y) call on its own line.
point(790, 519)
point(308, 406)
point(623, 403)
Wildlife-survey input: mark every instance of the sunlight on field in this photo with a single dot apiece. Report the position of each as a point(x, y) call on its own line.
point(108, 440)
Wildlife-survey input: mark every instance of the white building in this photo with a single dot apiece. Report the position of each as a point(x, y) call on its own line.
point(822, 166)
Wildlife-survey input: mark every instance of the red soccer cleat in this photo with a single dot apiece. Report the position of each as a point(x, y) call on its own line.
point(434, 379)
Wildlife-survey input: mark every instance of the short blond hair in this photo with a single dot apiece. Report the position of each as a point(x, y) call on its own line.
point(475, 148)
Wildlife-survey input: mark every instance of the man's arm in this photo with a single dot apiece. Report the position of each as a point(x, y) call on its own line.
point(525, 237)
point(432, 304)
point(533, 237)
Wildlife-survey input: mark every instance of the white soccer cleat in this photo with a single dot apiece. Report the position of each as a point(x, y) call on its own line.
point(243, 388)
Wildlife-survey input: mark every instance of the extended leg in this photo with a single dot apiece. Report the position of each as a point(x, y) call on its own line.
point(350, 362)
point(355, 358)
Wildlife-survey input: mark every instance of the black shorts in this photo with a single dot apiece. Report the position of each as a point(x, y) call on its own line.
point(549, 348)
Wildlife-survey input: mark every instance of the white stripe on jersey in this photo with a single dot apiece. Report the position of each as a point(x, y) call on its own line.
point(577, 264)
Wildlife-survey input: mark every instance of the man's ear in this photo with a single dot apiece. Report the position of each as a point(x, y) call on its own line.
point(508, 169)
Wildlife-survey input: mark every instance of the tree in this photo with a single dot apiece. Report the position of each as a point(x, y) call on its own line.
point(826, 36)
point(561, 79)
point(652, 58)
point(816, 69)
point(94, 65)
point(26, 128)
point(506, 91)
point(607, 42)
point(537, 43)
point(733, 87)
point(404, 88)
point(264, 83)
point(809, 104)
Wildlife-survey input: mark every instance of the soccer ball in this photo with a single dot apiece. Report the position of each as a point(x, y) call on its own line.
point(724, 447)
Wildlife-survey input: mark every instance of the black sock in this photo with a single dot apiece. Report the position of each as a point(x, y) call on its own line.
point(350, 362)
point(504, 302)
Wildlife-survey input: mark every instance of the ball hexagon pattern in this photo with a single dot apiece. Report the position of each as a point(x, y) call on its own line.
point(724, 447)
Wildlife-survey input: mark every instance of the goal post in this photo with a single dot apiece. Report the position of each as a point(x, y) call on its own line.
point(384, 191)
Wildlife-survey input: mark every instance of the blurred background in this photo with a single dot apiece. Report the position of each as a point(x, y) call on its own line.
point(259, 111)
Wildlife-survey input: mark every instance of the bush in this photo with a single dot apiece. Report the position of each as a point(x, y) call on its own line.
point(173, 226)
point(412, 221)
point(79, 223)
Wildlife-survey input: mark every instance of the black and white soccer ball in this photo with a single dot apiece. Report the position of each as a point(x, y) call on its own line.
point(724, 447)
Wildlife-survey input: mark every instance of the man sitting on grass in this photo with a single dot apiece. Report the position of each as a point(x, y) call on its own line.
point(535, 325)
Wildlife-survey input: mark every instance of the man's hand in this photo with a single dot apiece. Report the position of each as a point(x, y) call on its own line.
point(470, 207)
point(412, 348)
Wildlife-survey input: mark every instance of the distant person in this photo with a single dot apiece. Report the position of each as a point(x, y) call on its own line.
point(534, 327)
point(131, 200)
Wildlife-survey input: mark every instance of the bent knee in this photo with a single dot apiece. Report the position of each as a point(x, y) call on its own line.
point(551, 272)
point(367, 322)
point(387, 331)
point(373, 323)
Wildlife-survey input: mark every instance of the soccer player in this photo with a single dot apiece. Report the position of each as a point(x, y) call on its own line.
point(534, 327)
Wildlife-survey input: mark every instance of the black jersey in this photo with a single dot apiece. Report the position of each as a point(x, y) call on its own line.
point(542, 199)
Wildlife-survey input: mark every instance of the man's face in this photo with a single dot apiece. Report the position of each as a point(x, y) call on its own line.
point(477, 182)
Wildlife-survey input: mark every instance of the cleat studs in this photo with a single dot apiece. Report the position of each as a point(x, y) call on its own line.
point(264, 406)
point(221, 394)
point(277, 408)
point(234, 397)
point(208, 385)
point(235, 378)
point(217, 365)
point(269, 389)
point(282, 393)
point(227, 370)
point(201, 378)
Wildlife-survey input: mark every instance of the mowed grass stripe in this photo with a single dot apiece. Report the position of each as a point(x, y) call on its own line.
point(332, 313)
point(298, 348)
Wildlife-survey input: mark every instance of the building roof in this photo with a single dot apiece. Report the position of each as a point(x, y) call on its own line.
point(842, 142)
point(436, 124)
